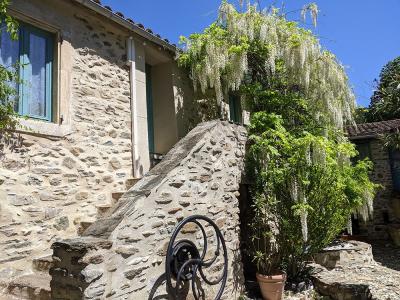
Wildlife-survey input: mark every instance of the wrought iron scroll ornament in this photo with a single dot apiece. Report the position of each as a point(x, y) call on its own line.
point(184, 261)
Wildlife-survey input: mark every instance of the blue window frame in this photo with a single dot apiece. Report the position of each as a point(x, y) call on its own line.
point(34, 52)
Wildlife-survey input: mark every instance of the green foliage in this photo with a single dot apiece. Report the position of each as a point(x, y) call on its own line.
point(361, 115)
point(391, 141)
point(8, 94)
point(385, 103)
point(303, 184)
point(305, 189)
point(10, 22)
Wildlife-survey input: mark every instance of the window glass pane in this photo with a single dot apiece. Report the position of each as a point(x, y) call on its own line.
point(9, 55)
point(36, 88)
point(9, 50)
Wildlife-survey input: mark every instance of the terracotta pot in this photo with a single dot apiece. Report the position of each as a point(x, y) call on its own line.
point(394, 231)
point(272, 286)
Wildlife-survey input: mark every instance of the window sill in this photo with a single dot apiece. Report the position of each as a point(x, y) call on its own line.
point(43, 128)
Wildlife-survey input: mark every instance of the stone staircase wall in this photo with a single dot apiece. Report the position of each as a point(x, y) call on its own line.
point(200, 175)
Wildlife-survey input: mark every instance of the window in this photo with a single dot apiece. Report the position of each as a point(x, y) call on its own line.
point(235, 109)
point(364, 151)
point(34, 52)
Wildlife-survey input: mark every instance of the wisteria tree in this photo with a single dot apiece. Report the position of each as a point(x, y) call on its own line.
point(304, 186)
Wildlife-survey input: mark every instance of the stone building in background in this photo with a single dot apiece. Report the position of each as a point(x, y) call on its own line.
point(386, 172)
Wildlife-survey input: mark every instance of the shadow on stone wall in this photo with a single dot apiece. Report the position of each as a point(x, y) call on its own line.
point(199, 176)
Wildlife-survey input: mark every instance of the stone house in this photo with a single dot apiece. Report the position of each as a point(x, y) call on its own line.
point(386, 172)
point(104, 98)
point(105, 101)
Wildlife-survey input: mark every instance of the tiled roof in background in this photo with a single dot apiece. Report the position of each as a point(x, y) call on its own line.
point(118, 16)
point(369, 130)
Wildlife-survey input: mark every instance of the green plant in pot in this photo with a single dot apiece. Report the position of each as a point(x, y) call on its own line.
point(304, 190)
point(266, 255)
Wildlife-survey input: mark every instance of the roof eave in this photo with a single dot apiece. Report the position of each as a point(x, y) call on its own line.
point(363, 137)
point(128, 25)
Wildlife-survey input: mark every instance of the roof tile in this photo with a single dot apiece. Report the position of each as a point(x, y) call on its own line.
point(373, 129)
point(121, 15)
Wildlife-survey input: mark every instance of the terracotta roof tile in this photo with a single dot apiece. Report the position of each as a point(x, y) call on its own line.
point(121, 15)
point(368, 130)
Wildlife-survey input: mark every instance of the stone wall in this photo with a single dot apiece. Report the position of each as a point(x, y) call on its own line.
point(53, 183)
point(377, 227)
point(348, 271)
point(122, 256)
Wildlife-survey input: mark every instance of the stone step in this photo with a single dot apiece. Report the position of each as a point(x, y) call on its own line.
point(130, 182)
point(103, 209)
point(116, 196)
point(83, 225)
point(43, 264)
point(31, 287)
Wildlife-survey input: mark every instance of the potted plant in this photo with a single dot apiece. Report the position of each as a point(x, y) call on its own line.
point(270, 276)
point(303, 198)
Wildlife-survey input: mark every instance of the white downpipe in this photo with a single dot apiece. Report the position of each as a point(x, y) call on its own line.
point(131, 61)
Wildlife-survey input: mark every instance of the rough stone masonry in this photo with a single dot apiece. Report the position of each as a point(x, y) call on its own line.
point(122, 256)
point(51, 184)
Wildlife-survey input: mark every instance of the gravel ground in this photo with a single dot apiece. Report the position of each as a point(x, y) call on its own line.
point(387, 255)
point(382, 277)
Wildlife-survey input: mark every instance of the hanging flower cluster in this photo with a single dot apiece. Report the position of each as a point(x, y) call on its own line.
point(218, 58)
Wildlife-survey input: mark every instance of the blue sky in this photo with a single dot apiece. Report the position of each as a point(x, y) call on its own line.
point(364, 34)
